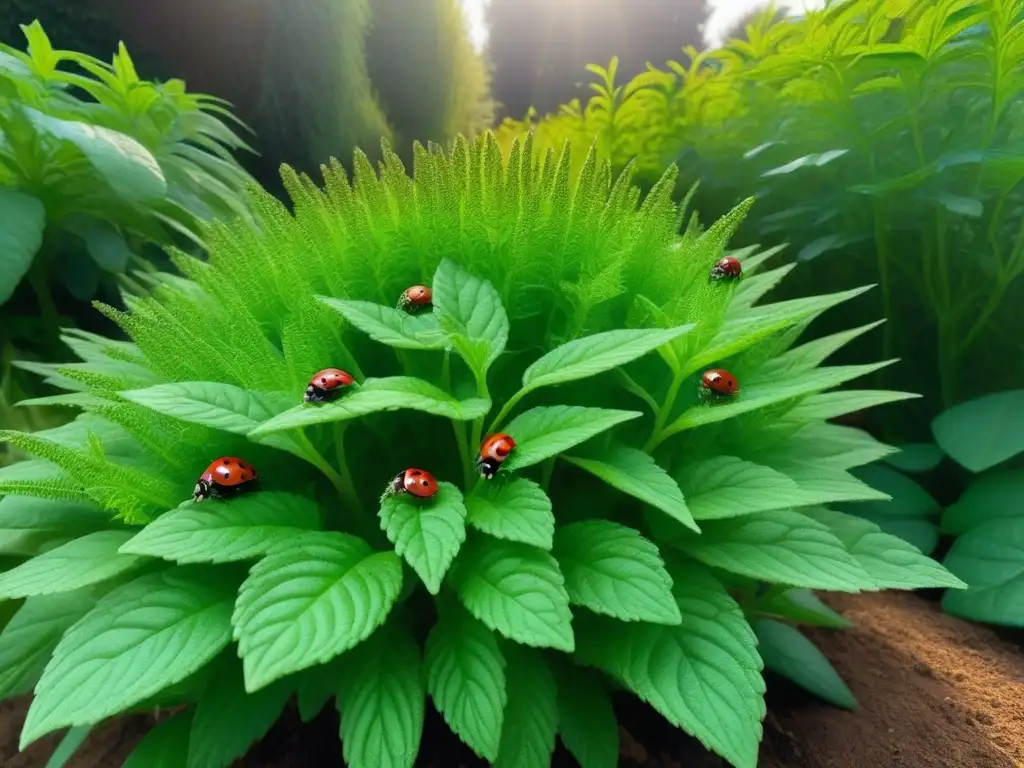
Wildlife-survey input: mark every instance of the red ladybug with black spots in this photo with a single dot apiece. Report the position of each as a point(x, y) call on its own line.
point(327, 385)
point(717, 384)
point(728, 268)
point(493, 452)
point(225, 477)
point(416, 299)
point(417, 482)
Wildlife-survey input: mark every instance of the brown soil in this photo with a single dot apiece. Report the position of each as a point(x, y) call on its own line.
point(934, 692)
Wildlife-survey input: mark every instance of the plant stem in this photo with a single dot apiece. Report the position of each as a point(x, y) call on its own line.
point(340, 429)
point(546, 470)
point(882, 254)
point(39, 279)
point(313, 456)
point(506, 409)
point(464, 458)
point(664, 411)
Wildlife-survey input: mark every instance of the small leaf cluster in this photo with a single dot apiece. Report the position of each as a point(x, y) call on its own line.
point(636, 537)
point(881, 138)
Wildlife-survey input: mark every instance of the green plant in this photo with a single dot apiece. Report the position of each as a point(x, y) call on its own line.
point(880, 137)
point(631, 537)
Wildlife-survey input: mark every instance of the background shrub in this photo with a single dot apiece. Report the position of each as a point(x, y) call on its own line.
point(566, 313)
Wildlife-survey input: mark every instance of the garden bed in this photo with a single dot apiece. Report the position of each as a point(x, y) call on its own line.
point(934, 692)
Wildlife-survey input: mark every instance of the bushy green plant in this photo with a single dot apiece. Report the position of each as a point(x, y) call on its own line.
point(880, 138)
point(629, 540)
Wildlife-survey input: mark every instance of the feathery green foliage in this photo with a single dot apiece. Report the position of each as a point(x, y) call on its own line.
point(881, 138)
point(629, 539)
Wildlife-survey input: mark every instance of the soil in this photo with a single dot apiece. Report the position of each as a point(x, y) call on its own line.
point(934, 692)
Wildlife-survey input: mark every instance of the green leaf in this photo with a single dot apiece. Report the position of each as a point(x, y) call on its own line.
point(982, 432)
point(516, 590)
point(426, 532)
point(531, 716)
point(781, 546)
point(726, 486)
point(310, 599)
point(636, 473)
point(613, 570)
point(27, 513)
point(702, 676)
point(786, 651)
point(72, 740)
point(102, 240)
point(390, 326)
point(28, 639)
point(909, 513)
point(993, 496)
point(373, 396)
point(831, 445)
point(802, 606)
point(165, 746)
point(466, 679)
point(218, 406)
point(591, 355)
point(21, 237)
point(890, 561)
point(829, 405)
point(543, 432)
point(88, 560)
point(227, 720)
point(127, 166)
point(245, 529)
point(316, 686)
point(470, 311)
point(517, 510)
point(382, 701)
point(990, 558)
point(916, 457)
point(139, 639)
point(586, 721)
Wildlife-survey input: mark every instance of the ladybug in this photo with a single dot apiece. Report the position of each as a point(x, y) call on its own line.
point(718, 384)
point(226, 476)
point(416, 298)
point(327, 385)
point(493, 452)
point(418, 482)
point(727, 268)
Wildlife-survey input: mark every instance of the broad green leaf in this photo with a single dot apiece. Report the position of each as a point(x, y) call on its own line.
point(466, 679)
point(72, 740)
point(543, 432)
point(218, 406)
point(165, 746)
point(245, 529)
point(993, 496)
point(390, 326)
point(826, 485)
point(227, 720)
point(586, 721)
point(829, 405)
point(909, 513)
point(891, 562)
point(102, 240)
point(316, 686)
point(758, 396)
point(786, 651)
point(33, 632)
point(990, 558)
point(982, 432)
point(613, 570)
point(531, 715)
point(139, 639)
point(517, 510)
point(702, 676)
point(426, 532)
point(636, 473)
point(395, 393)
point(470, 312)
point(127, 166)
point(382, 701)
point(916, 457)
point(28, 513)
point(812, 353)
point(803, 607)
point(781, 546)
point(88, 560)
point(24, 219)
point(725, 486)
point(591, 355)
point(311, 598)
point(832, 446)
point(516, 590)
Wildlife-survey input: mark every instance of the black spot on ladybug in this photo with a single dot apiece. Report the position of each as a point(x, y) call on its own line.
point(323, 379)
point(416, 472)
point(227, 462)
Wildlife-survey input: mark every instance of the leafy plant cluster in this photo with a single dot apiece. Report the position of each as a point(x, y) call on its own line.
point(880, 138)
point(636, 538)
